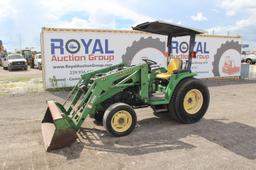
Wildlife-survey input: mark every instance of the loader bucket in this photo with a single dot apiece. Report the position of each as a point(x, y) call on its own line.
point(56, 130)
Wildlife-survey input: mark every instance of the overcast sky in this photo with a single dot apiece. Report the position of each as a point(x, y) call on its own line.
point(21, 20)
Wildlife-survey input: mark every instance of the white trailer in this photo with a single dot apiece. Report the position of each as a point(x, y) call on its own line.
point(67, 53)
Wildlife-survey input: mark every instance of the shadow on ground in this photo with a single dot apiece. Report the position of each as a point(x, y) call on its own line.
point(159, 134)
point(72, 152)
point(61, 94)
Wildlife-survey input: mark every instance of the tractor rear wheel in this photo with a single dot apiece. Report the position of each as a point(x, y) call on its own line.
point(119, 119)
point(190, 101)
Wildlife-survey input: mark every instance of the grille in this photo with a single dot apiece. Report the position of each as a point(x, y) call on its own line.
point(18, 63)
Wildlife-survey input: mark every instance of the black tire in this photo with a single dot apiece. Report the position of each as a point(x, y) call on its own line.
point(5, 68)
point(248, 61)
point(39, 67)
point(112, 111)
point(176, 106)
point(26, 68)
point(9, 68)
point(99, 116)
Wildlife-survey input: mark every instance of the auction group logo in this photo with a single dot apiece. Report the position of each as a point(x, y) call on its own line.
point(80, 50)
point(227, 59)
point(180, 49)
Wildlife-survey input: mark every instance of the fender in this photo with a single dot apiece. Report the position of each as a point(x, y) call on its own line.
point(173, 83)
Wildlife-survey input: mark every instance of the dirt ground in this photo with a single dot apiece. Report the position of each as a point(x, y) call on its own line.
point(20, 81)
point(19, 74)
point(224, 139)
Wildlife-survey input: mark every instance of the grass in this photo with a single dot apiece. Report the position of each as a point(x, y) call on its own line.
point(20, 85)
point(3, 94)
point(21, 79)
point(17, 79)
point(24, 84)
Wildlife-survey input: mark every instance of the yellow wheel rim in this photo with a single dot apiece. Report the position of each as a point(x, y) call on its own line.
point(121, 121)
point(193, 101)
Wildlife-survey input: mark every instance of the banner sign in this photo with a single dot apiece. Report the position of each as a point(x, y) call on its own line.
point(68, 53)
point(217, 56)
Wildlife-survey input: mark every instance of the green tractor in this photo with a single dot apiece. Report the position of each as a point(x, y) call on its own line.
point(111, 94)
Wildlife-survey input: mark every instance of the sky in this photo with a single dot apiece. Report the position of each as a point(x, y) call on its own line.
point(21, 20)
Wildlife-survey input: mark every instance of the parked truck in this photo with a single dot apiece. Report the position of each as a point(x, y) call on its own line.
point(27, 54)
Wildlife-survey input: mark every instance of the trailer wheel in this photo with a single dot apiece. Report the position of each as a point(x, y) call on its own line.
point(190, 101)
point(119, 119)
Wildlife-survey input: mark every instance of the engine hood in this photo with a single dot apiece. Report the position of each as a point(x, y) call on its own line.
point(15, 60)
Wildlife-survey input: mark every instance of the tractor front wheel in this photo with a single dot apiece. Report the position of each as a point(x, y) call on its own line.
point(119, 119)
point(190, 101)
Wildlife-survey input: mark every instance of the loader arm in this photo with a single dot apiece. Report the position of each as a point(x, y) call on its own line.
point(87, 97)
point(108, 85)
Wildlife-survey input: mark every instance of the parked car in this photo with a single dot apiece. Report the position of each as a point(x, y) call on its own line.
point(249, 58)
point(15, 61)
point(38, 61)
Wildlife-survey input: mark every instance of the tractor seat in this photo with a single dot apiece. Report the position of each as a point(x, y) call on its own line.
point(175, 64)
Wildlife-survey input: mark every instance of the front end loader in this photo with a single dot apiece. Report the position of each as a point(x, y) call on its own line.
point(111, 94)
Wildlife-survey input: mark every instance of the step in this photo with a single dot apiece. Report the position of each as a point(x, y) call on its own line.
point(157, 96)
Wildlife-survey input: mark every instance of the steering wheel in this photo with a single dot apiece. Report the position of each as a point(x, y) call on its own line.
point(151, 64)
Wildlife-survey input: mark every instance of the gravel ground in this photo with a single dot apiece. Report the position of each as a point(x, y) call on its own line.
point(224, 139)
point(20, 82)
point(19, 74)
